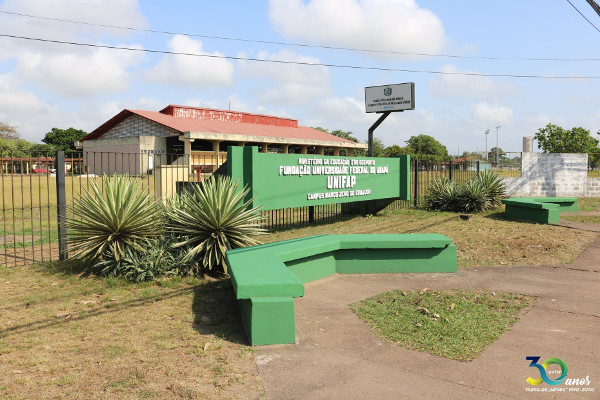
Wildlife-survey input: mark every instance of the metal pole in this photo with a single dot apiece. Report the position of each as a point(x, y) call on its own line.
point(497, 146)
point(416, 183)
point(372, 129)
point(487, 156)
point(61, 201)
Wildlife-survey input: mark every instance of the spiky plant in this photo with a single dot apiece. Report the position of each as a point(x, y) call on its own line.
point(442, 195)
point(119, 215)
point(494, 187)
point(471, 197)
point(212, 218)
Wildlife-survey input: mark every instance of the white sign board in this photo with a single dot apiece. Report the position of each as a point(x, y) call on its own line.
point(397, 97)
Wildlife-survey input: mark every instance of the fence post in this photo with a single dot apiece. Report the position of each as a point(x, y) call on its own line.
point(451, 168)
point(416, 183)
point(478, 168)
point(61, 201)
point(311, 214)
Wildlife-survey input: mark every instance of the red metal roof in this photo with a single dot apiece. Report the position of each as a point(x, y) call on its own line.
point(193, 119)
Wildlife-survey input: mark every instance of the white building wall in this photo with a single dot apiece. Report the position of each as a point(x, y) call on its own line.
point(551, 175)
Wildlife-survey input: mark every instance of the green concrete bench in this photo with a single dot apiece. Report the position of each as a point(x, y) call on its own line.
point(545, 210)
point(266, 278)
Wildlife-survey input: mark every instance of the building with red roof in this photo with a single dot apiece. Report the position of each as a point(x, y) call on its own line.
point(199, 135)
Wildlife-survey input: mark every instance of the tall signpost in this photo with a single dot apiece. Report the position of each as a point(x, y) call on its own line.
point(387, 99)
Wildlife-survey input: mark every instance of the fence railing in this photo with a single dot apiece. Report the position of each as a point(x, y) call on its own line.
point(28, 186)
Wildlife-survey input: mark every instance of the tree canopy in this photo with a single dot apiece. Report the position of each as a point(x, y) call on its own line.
point(427, 148)
point(8, 132)
point(554, 139)
point(395, 151)
point(63, 139)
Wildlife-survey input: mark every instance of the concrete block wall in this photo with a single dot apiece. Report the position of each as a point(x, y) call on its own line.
point(552, 175)
point(593, 187)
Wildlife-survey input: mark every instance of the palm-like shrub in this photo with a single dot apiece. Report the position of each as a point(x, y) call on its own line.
point(495, 188)
point(471, 197)
point(482, 192)
point(442, 195)
point(111, 219)
point(211, 218)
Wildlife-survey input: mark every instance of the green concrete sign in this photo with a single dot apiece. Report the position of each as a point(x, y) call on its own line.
point(297, 180)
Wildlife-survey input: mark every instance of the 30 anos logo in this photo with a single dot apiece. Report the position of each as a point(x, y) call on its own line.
point(543, 367)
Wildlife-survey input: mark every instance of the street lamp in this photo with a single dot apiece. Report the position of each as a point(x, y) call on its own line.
point(497, 148)
point(487, 156)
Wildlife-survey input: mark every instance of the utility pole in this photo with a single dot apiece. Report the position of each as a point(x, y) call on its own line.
point(487, 156)
point(497, 146)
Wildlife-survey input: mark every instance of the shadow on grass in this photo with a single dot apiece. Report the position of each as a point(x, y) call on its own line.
point(216, 312)
point(426, 227)
point(214, 305)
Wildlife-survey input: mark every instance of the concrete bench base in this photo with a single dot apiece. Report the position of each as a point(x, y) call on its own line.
point(266, 278)
point(545, 210)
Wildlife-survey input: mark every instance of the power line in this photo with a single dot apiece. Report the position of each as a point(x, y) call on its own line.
point(294, 62)
point(595, 6)
point(580, 13)
point(301, 44)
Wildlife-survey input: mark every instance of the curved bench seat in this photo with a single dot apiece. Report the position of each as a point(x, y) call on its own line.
point(545, 210)
point(267, 277)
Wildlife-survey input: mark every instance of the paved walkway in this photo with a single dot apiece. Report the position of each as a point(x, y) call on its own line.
point(338, 357)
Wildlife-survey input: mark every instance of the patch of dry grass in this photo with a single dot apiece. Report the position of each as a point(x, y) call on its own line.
point(487, 239)
point(69, 336)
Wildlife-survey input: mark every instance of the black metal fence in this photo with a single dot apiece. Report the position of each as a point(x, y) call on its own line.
point(28, 185)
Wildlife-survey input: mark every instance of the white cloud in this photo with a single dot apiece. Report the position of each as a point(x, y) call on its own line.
point(79, 74)
point(105, 12)
point(449, 86)
point(492, 113)
point(399, 25)
point(181, 70)
point(287, 84)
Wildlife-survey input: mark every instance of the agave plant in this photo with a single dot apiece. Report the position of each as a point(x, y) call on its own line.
point(110, 220)
point(210, 219)
point(494, 187)
point(471, 197)
point(442, 195)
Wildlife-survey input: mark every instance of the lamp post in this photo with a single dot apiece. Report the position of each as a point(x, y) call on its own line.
point(497, 147)
point(487, 156)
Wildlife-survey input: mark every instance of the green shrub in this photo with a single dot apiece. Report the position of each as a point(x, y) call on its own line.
point(471, 197)
point(113, 219)
point(494, 187)
point(209, 219)
point(442, 194)
point(154, 258)
point(482, 192)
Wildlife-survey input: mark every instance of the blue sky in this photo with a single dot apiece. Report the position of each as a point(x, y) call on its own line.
point(45, 85)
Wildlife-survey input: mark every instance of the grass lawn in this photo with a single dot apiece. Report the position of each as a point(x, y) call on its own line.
point(64, 335)
point(588, 203)
point(593, 219)
point(457, 324)
point(487, 239)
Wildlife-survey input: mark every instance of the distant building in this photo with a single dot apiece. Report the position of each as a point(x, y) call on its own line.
point(136, 141)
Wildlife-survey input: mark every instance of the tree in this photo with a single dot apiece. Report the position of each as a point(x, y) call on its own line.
point(339, 133)
point(63, 139)
point(8, 132)
point(554, 139)
point(427, 148)
point(492, 154)
point(395, 151)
